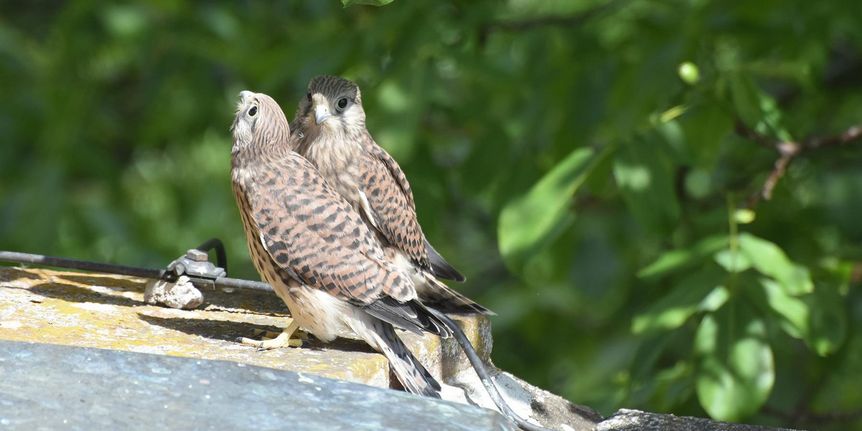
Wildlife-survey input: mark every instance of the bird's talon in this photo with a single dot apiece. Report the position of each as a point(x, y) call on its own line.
point(249, 341)
point(275, 340)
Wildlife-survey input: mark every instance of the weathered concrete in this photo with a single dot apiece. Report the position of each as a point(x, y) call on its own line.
point(57, 387)
point(109, 312)
point(635, 420)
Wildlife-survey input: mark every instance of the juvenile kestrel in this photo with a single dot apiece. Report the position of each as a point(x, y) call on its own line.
point(312, 246)
point(331, 133)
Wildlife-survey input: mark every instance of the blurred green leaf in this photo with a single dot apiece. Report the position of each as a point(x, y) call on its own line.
point(770, 260)
point(732, 261)
point(715, 300)
point(675, 308)
point(794, 311)
point(643, 174)
point(757, 109)
point(675, 260)
point(672, 113)
point(828, 319)
point(667, 386)
point(746, 100)
point(705, 127)
point(530, 222)
point(736, 369)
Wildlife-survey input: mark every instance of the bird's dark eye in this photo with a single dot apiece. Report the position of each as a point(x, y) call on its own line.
point(341, 104)
point(308, 96)
point(252, 111)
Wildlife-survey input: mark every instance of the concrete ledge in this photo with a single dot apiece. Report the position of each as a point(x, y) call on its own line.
point(109, 312)
point(636, 420)
point(71, 388)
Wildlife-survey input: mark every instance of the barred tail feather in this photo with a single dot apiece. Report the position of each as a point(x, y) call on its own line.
point(440, 267)
point(409, 371)
point(443, 298)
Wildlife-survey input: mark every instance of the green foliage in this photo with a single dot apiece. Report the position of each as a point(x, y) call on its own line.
point(735, 368)
point(595, 168)
point(531, 221)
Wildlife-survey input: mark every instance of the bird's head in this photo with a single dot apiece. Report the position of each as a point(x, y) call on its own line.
point(332, 105)
point(259, 123)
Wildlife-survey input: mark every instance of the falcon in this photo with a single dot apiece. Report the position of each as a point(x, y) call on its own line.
point(331, 133)
point(314, 249)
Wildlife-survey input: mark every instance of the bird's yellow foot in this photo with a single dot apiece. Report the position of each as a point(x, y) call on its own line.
point(272, 340)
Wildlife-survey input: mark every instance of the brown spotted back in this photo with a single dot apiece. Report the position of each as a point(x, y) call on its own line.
point(391, 200)
point(315, 236)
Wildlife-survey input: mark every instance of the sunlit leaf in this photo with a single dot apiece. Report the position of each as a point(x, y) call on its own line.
point(528, 223)
point(736, 369)
point(675, 308)
point(715, 300)
point(795, 312)
point(680, 258)
point(770, 260)
point(732, 260)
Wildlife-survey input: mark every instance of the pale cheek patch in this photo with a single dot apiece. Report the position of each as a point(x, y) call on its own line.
point(353, 116)
point(242, 134)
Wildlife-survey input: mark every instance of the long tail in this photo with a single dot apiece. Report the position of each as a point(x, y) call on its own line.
point(443, 298)
point(484, 377)
point(440, 267)
point(409, 371)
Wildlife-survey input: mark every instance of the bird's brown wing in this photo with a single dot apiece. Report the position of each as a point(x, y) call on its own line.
point(315, 235)
point(393, 210)
point(317, 238)
point(391, 202)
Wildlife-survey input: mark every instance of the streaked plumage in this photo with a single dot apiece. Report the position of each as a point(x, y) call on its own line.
point(314, 249)
point(332, 135)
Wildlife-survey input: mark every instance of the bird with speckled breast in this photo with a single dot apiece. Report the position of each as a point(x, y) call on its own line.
point(314, 249)
point(329, 130)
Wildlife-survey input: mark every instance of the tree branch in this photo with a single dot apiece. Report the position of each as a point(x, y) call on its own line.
point(788, 151)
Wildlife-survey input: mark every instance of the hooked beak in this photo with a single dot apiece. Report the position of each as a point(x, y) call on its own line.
point(321, 113)
point(321, 109)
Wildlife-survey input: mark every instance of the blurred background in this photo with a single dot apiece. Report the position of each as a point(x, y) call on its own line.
point(660, 198)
